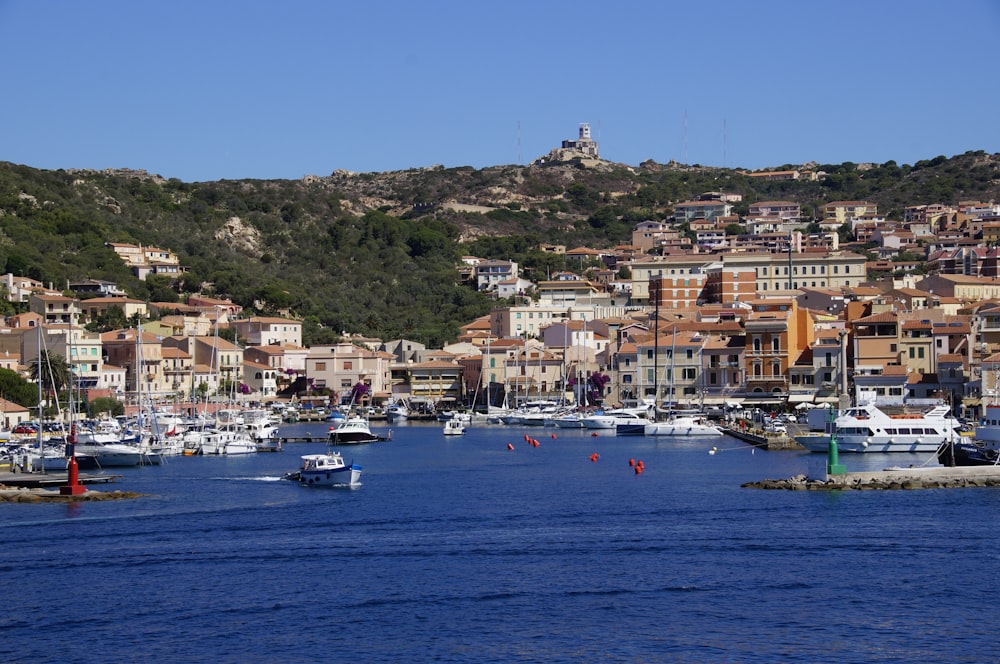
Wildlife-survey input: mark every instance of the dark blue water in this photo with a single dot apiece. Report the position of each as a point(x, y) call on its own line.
point(456, 549)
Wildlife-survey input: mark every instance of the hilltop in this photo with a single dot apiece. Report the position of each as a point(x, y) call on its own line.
point(377, 253)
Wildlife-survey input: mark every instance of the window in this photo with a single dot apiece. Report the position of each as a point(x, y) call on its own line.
point(348, 365)
point(776, 344)
point(690, 353)
point(920, 353)
point(321, 366)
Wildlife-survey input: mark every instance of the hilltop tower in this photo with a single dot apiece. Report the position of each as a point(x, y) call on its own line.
point(584, 143)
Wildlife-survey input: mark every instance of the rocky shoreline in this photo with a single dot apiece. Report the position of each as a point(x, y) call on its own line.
point(892, 479)
point(23, 495)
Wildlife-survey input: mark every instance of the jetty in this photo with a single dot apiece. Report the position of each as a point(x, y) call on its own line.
point(924, 477)
point(768, 440)
point(51, 480)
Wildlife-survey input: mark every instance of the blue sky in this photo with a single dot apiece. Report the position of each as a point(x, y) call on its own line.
point(244, 89)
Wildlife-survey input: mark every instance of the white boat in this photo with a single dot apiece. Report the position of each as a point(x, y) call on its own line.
point(230, 440)
point(870, 429)
point(454, 427)
point(570, 420)
point(988, 431)
point(397, 412)
point(683, 425)
point(257, 423)
point(326, 470)
point(610, 419)
point(353, 430)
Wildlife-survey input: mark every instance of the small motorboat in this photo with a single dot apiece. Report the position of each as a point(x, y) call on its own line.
point(454, 427)
point(326, 470)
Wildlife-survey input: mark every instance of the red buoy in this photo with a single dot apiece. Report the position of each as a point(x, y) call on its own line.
point(510, 446)
point(594, 457)
point(631, 463)
point(553, 436)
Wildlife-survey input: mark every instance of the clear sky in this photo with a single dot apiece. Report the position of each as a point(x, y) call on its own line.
point(213, 89)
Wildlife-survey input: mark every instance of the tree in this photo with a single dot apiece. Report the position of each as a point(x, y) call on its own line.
point(51, 369)
point(108, 405)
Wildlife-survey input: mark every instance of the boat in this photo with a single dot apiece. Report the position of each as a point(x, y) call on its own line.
point(868, 428)
point(964, 452)
point(397, 412)
point(454, 427)
point(631, 424)
point(570, 420)
point(988, 431)
point(353, 430)
point(610, 419)
point(326, 470)
point(683, 425)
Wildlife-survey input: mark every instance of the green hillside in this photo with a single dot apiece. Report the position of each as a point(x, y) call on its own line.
point(377, 253)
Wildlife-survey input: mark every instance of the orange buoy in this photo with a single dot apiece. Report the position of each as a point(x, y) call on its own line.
point(510, 446)
point(553, 436)
point(593, 435)
point(631, 463)
point(638, 470)
point(527, 438)
point(594, 457)
point(640, 464)
point(535, 442)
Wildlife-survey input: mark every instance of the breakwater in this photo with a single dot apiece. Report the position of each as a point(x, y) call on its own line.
point(933, 477)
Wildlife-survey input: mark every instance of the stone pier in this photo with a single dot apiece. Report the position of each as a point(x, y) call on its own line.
point(933, 477)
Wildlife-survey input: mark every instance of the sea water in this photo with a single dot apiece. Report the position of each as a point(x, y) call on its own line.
point(457, 549)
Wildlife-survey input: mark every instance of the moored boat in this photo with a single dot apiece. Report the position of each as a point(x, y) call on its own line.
point(610, 419)
point(870, 429)
point(353, 430)
point(683, 426)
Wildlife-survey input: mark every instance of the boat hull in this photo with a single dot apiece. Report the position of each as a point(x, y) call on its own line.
point(821, 443)
point(345, 476)
point(681, 430)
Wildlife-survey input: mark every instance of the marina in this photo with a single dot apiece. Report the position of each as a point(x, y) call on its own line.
point(566, 526)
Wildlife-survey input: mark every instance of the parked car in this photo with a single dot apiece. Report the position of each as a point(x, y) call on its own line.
point(776, 427)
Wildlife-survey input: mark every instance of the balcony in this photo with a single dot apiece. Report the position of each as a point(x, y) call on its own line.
point(770, 380)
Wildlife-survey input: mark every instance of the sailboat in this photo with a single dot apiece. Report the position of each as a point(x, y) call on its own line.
point(677, 425)
point(103, 440)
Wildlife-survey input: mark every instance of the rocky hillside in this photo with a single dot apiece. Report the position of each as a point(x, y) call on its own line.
point(377, 253)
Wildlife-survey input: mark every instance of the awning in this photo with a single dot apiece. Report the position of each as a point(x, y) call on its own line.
point(714, 401)
point(763, 401)
point(827, 399)
point(734, 403)
point(800, 398)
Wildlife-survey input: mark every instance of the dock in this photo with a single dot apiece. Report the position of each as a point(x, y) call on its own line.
point(325, 438)
point(51, 480)
point(764, 439)
point(925, 477)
